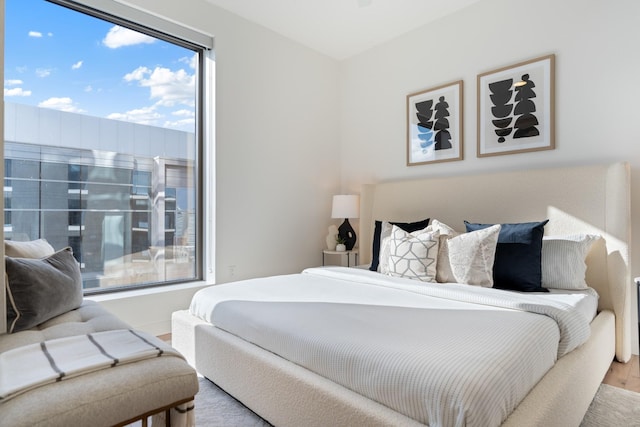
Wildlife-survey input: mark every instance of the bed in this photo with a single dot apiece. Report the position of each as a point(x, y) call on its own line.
point(587, 200)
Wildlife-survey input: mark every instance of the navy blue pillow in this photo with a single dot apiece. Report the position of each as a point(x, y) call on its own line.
point(409, 227)
point(517, 265)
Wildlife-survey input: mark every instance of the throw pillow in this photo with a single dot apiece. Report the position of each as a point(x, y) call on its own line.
point(443, 228)
point(385, 247)
point(31, 249)
point(377, 238)
point(468, 257)
point(413, 255)
point(40, 289)
point(385, 236)
point(563, 265)
point(518, 261)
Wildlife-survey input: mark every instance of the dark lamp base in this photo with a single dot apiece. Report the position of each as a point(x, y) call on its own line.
point(348, 234)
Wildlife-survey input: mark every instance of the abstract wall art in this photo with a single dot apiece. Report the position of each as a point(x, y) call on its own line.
point(516, 108)
point(434, 125)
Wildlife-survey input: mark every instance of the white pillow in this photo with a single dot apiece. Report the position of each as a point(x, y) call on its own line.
point(385, 237)
point(563, 265)
point(442, 228)
point(39, 248)
point(468, 257)
point(413, 255)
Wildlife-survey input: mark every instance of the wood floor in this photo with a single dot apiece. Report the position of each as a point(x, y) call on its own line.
point(624, 375)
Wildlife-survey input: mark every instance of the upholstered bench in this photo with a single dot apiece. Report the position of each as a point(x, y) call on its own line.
point(114, 396)
point(162, 385)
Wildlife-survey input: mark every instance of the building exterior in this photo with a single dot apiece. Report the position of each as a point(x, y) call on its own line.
point(122, 195)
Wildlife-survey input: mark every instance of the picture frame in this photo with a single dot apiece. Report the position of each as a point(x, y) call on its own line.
point(434, 125)
point(516, 107)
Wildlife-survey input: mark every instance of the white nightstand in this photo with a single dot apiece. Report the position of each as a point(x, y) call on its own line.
point(353, 252)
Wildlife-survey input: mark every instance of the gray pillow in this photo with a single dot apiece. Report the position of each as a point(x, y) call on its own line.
point(41, 289)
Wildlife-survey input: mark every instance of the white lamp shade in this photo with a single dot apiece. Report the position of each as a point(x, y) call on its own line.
point(346, 206)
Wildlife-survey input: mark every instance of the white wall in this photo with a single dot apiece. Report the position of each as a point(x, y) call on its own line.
point(597, 91)
point(291, 122)
point(276, 142)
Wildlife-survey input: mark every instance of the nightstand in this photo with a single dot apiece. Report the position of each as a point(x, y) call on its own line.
point(353, 252)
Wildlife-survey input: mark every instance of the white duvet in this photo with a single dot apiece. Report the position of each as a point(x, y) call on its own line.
point(442, 354)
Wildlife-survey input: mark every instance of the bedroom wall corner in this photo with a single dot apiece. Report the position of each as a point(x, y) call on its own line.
point(277, 147)
point(277, 151)
point(377, 81)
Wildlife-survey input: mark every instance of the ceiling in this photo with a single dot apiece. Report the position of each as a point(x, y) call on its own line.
point(342, 28)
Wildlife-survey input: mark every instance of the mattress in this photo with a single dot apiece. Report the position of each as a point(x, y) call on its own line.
point(442, 354)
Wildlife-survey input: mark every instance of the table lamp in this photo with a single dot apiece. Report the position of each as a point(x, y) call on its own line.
point(346, 206)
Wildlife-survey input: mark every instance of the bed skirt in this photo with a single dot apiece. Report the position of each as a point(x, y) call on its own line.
point(286, 394)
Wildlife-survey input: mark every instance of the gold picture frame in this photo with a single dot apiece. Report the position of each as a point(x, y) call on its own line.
point(434, 125)
point(516, 107)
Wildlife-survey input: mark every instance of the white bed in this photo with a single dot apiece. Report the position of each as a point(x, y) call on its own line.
point(588, 199)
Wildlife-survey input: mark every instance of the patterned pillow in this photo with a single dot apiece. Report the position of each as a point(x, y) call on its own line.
point(563, 265)
point(468, 257)
point(378, 236)
point(413, 255)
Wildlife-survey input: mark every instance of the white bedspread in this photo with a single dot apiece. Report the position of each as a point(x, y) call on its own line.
point(445, 355)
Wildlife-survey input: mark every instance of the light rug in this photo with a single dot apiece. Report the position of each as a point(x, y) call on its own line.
point(611, 407)
point(216, 408)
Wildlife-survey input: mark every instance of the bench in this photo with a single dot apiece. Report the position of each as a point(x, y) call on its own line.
point(45, 303)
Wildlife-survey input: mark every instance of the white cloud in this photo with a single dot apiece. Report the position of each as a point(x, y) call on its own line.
point(137, 74)
point(76, 65)
point(88, 88)
point(50, 34)
point(180, 123)
point(62, 104)
point(16, 91)
point(188, 121)
point(36, 34)
point(168, 87)
point(184, 113)
point(145, 116)
point(191, 62)
point(43, 72)
point(119, 37)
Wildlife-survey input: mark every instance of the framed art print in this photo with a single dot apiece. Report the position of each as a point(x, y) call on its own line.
point(434, 125)
point(516, 108)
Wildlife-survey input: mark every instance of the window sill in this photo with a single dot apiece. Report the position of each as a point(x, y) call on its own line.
point(132, 293)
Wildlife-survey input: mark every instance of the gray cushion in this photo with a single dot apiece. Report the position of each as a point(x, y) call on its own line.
point(40, 289)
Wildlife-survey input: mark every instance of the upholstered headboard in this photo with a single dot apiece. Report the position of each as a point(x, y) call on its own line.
point(585, 199)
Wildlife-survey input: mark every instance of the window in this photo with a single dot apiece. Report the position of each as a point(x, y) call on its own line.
point(103, 140)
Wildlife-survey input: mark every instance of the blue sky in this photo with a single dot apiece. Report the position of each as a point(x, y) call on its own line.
point(61, 59)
